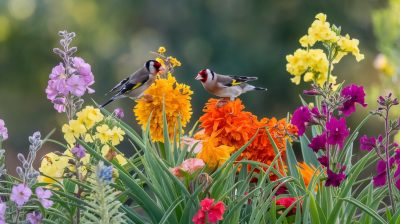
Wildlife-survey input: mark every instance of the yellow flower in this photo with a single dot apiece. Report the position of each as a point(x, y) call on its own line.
point(320, 30)
point(110, 154)
point(177, 106)
point(103, 133)
point(89, 116)
point(307, 41)
point(73, 130)
point(350, 46)
point(116, 135)
point(52, 165)
point(383, 65)
point(174, 62)
point(212, 154)
point(313, 63)
point(161, 50)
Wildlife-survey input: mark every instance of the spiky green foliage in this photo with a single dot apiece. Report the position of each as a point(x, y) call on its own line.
point(103, 203)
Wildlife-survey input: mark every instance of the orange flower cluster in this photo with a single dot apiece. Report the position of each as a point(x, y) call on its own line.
point(236, 127)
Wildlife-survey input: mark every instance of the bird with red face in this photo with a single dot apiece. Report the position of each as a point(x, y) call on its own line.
point(226, 86)
point(135, 84)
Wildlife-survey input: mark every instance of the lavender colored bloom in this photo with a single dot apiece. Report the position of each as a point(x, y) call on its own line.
point(337, 131)
point(76, 85)
point(119, 113)
point(380, 179)
point(318, 142)
point(2, 212)
point(335, 179)
point(34, 217)
point(105, 173)
point(355, 94)
point(57, 72)
point(367, 143)
point(85, 70)
point(301, 117)
point(3, 131)
point(43, 195)
point(20, 194)
point(79, 151)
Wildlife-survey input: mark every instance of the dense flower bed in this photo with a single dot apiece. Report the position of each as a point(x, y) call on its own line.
point(231, 168)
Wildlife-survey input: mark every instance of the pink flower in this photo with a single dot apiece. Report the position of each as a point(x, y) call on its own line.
point(43, 196)
point(189, 166)
point(57, 72)
point(3, 131)
point(76, 85)
point(209, 212)
point(318, 142)
point(367, 143)
point(119, 113)
point(194, 145)
point(20, 194)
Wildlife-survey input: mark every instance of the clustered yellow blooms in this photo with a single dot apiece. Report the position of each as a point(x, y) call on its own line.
point(214, 155)
point(312, 63)
point(176, 98)
point(163, 59)
point(90, 127)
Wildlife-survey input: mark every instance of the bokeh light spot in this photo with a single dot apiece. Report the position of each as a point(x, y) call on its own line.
point(21, 9)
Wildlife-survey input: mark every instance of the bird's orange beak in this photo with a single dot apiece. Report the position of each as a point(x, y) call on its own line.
point(198, 77)
point(162, 70)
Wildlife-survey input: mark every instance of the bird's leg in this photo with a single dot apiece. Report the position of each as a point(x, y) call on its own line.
point(221, 102)
point(147, 98)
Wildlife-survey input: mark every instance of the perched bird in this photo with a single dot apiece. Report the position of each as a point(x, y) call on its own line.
point(134, 85)
point(226, 86)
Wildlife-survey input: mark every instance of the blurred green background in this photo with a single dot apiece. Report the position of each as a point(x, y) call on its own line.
point(115, 37)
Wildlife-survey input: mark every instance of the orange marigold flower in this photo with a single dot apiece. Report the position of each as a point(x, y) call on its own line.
point(307, 172)
point(236, 127)
point(176, 97)
point(213, 154)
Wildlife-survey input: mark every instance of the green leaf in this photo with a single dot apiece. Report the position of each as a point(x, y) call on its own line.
point(366, 209)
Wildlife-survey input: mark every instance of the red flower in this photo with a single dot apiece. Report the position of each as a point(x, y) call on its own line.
point(286, 203)
point(209, 212)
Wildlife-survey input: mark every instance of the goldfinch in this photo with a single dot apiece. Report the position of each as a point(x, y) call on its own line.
point(134, 85)
point(226, 86)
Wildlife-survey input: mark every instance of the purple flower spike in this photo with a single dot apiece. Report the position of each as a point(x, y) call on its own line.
point(335, 179)
point(3, 131)
point(337, 131)
point(367, 143)
point(78, 151)
point(76, 85)
point(318, 142)
point(355, 94)
point(43, 196)
point(323, 160)
point(301, 117)
point(2, 212)
point(34, 217)
point(20, 194)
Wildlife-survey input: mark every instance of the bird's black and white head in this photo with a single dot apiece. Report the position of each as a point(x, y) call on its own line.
point(153, 66)
point(205, 75)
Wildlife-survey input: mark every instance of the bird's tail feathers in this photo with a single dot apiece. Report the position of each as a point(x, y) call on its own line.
point(260, 88)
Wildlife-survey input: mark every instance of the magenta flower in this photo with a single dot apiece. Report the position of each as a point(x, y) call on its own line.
point(76, 85)
point(323, 160)
point(20, 194)
point(3, 131)
point(2, 212)
point(43, 195)
point(301, 116)
point(337, 131)
point(355, 94)
point(34, 217)
point(367, 143)
point(335, 179)
point(318, 142)
point(380, 179)
point(78, 151)
point(119, 113)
